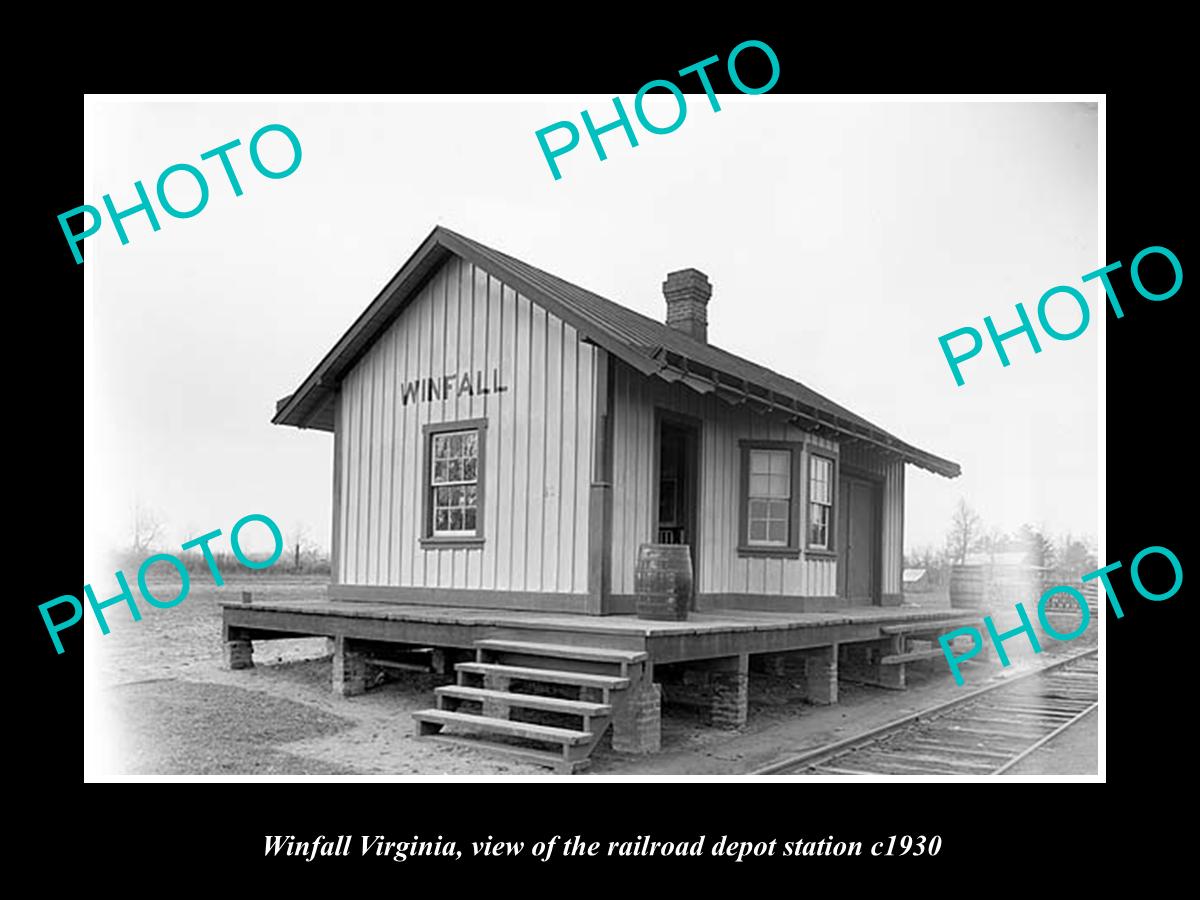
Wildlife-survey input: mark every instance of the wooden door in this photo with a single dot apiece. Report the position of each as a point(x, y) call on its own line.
point(858, 541)
point(676, 489)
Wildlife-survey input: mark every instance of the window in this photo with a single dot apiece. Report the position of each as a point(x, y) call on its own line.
point(820, 502)
point(454, 483)
point(770, 501)
point(770, 497)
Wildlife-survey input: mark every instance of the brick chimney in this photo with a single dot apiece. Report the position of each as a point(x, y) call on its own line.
point(687, 292)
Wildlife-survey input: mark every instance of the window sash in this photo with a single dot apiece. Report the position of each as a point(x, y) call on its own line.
point(818, 525)
point(460, 516)
point(820, 506)
point(769, 498)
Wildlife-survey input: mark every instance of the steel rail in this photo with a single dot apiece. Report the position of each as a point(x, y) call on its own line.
point(1057, 731)
point(810, 757)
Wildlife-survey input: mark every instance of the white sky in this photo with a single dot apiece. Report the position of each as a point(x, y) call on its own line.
point(841, 241)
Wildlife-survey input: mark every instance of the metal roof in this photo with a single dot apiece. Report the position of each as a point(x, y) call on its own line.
point(652, 347)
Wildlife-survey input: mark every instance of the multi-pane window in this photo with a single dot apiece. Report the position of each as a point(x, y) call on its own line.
point(770, 498)
point(787, 500)
point(820, 497)
point(454, 483)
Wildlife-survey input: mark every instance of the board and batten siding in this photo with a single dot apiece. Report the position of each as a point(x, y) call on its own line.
point(721, 571)
point(537, 457)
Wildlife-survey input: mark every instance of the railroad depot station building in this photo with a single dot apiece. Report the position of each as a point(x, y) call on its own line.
point(505, 441)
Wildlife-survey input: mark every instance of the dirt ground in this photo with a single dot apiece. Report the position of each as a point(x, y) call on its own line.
point(172, 709)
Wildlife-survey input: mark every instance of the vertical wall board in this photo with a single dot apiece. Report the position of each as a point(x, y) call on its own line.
point(467, 347)
point(721, 569)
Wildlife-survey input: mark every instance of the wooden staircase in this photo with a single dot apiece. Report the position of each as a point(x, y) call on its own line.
point(568, 690)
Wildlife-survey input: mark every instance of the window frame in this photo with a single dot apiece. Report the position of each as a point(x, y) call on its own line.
point(830, 548)
point(428, 432)
point(792, 549)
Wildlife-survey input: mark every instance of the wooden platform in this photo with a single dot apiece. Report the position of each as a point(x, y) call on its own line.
point(597, 677)
point(705, 635)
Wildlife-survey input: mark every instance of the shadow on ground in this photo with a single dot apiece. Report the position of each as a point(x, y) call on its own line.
point(172, 727)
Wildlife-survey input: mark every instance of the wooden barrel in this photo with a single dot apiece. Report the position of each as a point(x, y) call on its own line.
point(968, 587)
point(663, 581)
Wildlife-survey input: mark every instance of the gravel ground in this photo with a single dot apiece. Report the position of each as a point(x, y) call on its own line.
point(176, 711)
point(1074, 752)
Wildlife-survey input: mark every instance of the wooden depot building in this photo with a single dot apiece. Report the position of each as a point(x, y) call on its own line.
point(505, 441)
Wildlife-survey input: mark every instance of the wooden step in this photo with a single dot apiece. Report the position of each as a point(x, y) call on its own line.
point(549, 676)
point(526, 701)
point(566, 736)
point(525, 754)
point(565, 651)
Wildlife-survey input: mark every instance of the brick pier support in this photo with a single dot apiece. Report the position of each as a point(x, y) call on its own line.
point(637, 713)
point(729, 682)
point(351, 673)
point(239, 655)
point(815, 670)
point(821, 675)
point(720, 687)
point(238, 649)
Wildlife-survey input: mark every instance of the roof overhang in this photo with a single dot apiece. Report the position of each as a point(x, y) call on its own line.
point(311, 405)
point(303, 408)
point(737, 391)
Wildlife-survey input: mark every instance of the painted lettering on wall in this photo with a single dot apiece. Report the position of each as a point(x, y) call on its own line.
point(450, 386)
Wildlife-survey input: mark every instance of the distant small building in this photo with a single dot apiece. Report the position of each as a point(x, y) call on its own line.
point(916, 580)
point(1000, 559)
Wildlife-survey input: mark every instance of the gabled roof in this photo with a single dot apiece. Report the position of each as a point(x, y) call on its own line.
point(651, 347)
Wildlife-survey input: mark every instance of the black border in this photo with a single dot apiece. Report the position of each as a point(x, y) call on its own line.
point(987, 831)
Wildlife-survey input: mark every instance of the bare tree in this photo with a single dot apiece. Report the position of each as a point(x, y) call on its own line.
point(923, 557)
point(301, 542)
point(147, 527)
point(990, 541)
point(965, 529)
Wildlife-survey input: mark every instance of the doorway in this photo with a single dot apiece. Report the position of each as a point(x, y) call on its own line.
point(676, 504)
point(858, 540)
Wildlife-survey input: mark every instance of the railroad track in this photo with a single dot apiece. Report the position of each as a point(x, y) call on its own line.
point(986, 732)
